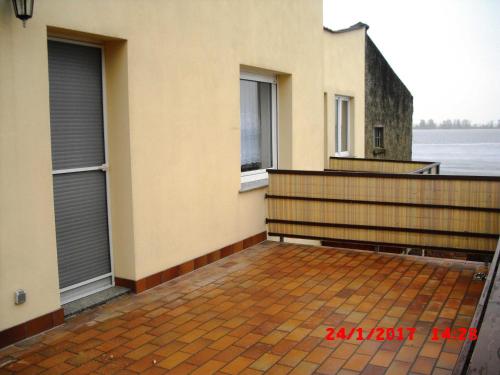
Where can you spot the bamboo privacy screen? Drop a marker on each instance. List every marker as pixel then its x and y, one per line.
pixel 382 166
pixel 409 210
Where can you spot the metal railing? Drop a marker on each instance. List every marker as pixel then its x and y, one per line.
pixel 382 165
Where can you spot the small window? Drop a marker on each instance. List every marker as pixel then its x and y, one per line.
pixel 258 126
pixel 342 126
pixel 379 137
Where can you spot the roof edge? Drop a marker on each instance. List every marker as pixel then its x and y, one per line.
pixel 357 26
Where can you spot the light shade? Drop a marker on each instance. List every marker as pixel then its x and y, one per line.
pixel 23 9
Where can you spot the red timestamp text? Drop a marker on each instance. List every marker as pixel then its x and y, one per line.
pixel 401 333
pixel 379 334
pixel 454 334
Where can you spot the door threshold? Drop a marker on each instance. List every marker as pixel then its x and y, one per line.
pixel 93 300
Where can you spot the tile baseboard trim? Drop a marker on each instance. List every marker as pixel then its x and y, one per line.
pixel 31 327
pixel 50 320
pixel 139 286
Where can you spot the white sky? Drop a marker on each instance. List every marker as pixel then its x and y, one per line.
pixel 447 52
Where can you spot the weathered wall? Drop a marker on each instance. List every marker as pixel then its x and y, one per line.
pixel 389 103
pixel 173 120
pixel 344 74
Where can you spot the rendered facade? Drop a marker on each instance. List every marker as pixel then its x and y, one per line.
pixel 142 131
pixel 366 93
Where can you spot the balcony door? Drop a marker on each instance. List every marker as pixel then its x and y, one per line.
pixel 79 168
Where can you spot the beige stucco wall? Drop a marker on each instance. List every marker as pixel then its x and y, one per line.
pixel 344 74
pixel 27 229
pixel 173 123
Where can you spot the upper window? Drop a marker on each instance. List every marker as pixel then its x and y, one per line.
pixel 258 126
pixel 378 136
pixel 342 126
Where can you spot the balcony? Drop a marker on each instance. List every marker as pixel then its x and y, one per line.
pixel 269 309
pixel 410 212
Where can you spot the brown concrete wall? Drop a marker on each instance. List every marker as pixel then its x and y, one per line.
pixel 389 103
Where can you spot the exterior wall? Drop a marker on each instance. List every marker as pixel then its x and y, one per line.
pixel 388 103
pixel 172 72
pixel 27 227
pixel 344 74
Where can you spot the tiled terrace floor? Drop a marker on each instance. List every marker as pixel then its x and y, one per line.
pixel 266 310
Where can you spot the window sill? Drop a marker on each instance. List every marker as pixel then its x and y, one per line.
pixel 378 150
pixel 254 185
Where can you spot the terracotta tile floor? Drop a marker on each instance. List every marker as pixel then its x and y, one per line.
pixel 266 310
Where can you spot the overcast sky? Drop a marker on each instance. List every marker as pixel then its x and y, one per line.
pixel 447 52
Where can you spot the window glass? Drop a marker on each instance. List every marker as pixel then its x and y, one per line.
pixel 344 131
pixel 379 137
pixel 342 126
pixel 337 126
pixel 256 125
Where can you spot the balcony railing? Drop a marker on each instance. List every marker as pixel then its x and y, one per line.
pixel 382 166
pixel 459 213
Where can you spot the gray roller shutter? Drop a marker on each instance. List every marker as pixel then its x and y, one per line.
pixel 82 226
pixel 76 115
pixel 77 131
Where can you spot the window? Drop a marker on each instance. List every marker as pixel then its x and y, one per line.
pixel 258 126
pixel 342 126
pixel 379 136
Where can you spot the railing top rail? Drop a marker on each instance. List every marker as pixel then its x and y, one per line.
pixel 383 160
pixel 426 168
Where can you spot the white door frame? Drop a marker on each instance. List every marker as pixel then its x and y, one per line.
pixel 105 168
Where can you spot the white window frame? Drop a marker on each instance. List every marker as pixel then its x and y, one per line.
pixel 338 132
pixel 375 128
pixel 261 174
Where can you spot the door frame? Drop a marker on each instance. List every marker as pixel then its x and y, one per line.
pixel 104 168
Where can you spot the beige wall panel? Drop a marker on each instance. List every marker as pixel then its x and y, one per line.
pixel 27 229
pixel 344 74
pixel 120 172
pixel 174 152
